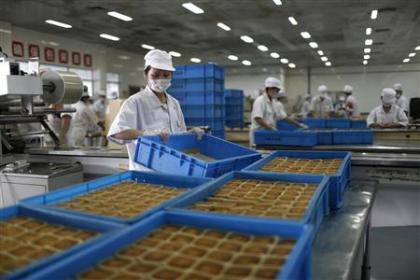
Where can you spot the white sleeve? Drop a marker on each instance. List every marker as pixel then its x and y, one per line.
pixel 312 105
pixel 402 117
pixel 280 113
pixel 125 119
pixel 404 104
pixel 180 117
pixel 371 119
pixel 258 109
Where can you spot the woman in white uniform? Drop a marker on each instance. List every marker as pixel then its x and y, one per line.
pixel 321 105
pixel 84 120
pixel 401 99
pixel 352 106
pixel 151 111
pixel 387 115
pixel 306 106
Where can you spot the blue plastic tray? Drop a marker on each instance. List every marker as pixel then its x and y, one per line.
pixel 363 136
pixel 198 97
pixel 169 158
pixel 338 182
pixel 284 125
pixel 107 228
pixel 315 123
pixel 199 71
pixel 285 138
pixel 359 124
pixel 200 111
pixel 338 123
pixel 50 200
pixel 297 265
pixel 318 207
pixel 197 84
pixel 325 137
pixel 235 93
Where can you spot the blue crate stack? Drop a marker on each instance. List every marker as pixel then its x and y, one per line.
pixel 200 89
pixel 234 108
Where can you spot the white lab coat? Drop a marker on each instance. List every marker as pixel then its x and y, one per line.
pixel 402 102
pixel 355 106
pixel 279 110
pixel 263 108
pixel 395 115
pixel 100 109
pixel 82 122
pixel 144 111
pixel 305 108
pixel 321 108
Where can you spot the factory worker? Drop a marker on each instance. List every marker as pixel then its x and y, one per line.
pixel 340 107
pixel 401 100
pixel 321 105
pixel 151 111
pixel 60 123
pixel 352 106
pixel 100 106
pixel 387 115
pixel 306 106
pixel 280 111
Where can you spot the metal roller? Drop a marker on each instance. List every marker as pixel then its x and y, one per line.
pixel 61 87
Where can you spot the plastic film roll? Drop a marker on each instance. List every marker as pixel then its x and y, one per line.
pixel 61 87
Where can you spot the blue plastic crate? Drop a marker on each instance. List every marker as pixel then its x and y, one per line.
pixel 325 137
pixel 318 207
pixel 169 157
pixel 50 200
pixel 284 125
pixel 235 93
pixel 234 123
pixel 285 138
pixel 218 134
pixel 359 124
pixel 105 228
pixel 315 123
pixel 197 84
pixel 199 98
pixel 297 265
pixel 203 111
pixel 363 136
pixel 199 71
pixel 338 123
pixel 338 182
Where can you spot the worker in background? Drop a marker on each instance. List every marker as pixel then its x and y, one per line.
pixel 387 115
pixel 401 100
pixel 60 123
pixel 280 111
pixel 100 106
pixel 352 106
pixel 306 106
pixel 340 107
pixel 321 105
pixel 151 111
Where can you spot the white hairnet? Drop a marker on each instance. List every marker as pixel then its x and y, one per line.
pixel 322 89
pixel 348 89
pixel 272 82
pixel 398 87
pixel 388 96
pixel 158 59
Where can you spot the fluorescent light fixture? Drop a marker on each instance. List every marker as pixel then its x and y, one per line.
pixel 320 52
pixel 412 54
pixel 365 62
pixel 175 54
pixel 277 2
pixel 247 39
pixel 109 37
pixel 223 26
pixel 193 8
pixel 374 14
pixel 328 64
pixel 324 58
pixel 147 47
pixel 417 48
pixel 368 42
pixel 275 55
pixel 368 31
pixel 58 23
pixel 5 31
pixel 233 57
pixel 119 16
pixel 55 44
pixel 366 56
pixel 293 21
pixel 406 60
pixel 313 45
pixel 124 57
pixel 367 50
pixel 305 35
pixel 292 65
pixel 284 60
pixel 246 62
pixel 195 60
pixel 262 48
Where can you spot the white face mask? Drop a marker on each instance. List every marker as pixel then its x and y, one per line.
pixel 159 85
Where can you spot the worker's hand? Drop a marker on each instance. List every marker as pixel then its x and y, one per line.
pixel 197 131
pixel 304 126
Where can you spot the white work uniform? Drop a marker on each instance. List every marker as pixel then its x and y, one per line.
pixel 306 106
pixel 100 109
pixel 355 106
pixel 279 110
pixel 82 122
pixel 144 111
pixel 321 108
pixel 395 115
pixel 403 103
pixel 263 108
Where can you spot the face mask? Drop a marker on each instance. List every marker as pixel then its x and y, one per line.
pixel 159 85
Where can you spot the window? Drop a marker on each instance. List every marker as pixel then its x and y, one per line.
pixel 112 85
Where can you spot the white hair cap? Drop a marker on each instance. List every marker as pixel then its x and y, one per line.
pixel 348 89
pixel 388 96
pixel 272 82
pixel 322 89
pixel 398 87
pixel 158 59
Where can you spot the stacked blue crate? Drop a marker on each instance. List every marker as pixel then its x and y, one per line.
pixel 199 89
pixel 234 107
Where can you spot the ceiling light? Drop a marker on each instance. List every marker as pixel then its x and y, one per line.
pixel 277 2
pixel 324 58
pixel 368 42
pixel 5 31
pixel 305 35
pixel 275 55
pixel 233 57
pixel 412 54
pixel 247 39
pixel 55 44
pixel 368 31
pixel 119 16
pixel 406 60
pixel 123 57
pixel 367 50
pixel 365 62
pixel 193 8
pixel 262 48
pixel 246 62
pixel 366 56
pixel 313 45
pixel 148 47
pixel 417 48
pixel 195 60
pixel 292 65
pixel 57 23
pixel 174 54
pixel 293 20
pixel 320 52
pixel 328 63
pixel 223 26
pixel 374 14
pixel 284 60
pixel 109 37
